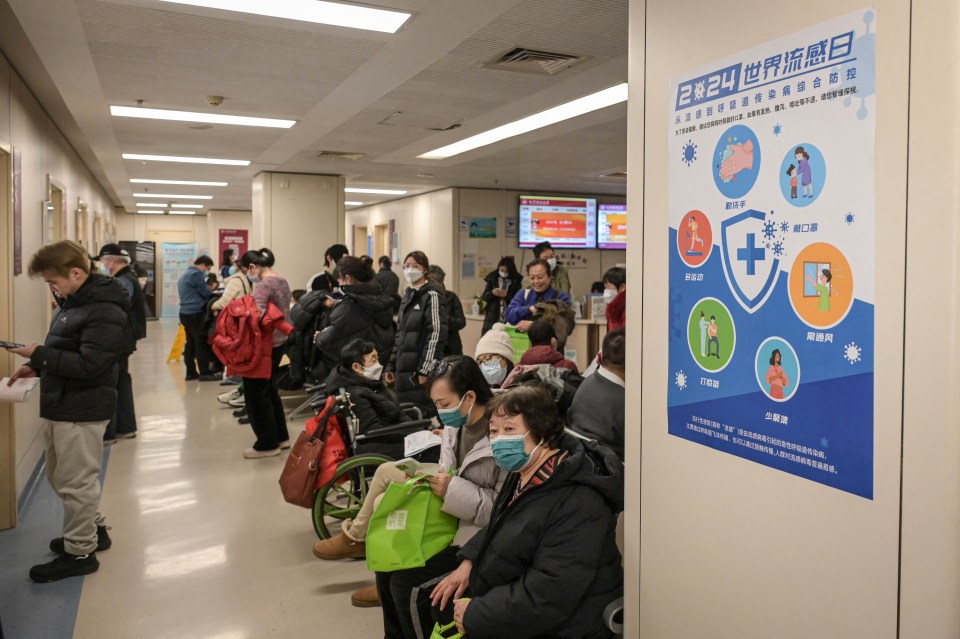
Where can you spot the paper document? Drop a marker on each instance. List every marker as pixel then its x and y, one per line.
pixel 412 467
pixel 419 441
pixel 19 391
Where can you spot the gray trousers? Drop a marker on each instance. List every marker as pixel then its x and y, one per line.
pixel 73 457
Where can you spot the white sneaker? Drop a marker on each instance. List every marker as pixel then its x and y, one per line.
pixel 238 402
pixel 251 453
pixel 285 444
pixel 226 397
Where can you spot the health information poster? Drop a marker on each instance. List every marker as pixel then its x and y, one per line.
pixel 772 254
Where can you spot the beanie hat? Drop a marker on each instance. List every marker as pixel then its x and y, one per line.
pixel 497 342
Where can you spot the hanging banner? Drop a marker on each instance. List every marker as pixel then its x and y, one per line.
pixel 235 239
pixel 175 260
pixel 772 254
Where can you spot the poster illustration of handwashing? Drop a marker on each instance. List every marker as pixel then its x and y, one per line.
pixel 772 254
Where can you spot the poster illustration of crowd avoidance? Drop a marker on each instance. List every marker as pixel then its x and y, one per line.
pixel 772 254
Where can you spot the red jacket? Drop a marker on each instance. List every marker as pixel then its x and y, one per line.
pixel 244 341
pixel 617 312
pixel 547 355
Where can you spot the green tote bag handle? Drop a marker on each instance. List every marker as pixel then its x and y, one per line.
pixel 439 632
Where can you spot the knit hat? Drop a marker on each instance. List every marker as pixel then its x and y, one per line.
pixel 495 341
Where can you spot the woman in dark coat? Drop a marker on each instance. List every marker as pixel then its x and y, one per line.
pixel 547 564
pixel 421 333
pixel 502 286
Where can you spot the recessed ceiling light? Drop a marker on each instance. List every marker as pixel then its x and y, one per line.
pixel 192 116
pixel 317 11
pixel 580 106
pixel 349 203
pixel 186 160
pixel 168 196
pixel 374 191
pixel 153 205
pixel 178 182
pixel 183 212
pixel 146 212
pixel 187 206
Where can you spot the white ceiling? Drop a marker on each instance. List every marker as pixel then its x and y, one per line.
pixel 81 56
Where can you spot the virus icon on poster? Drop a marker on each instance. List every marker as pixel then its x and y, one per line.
pixel 849 219
pixel 778 129
pixel 681 380
pixel 852 352
pixel 689 153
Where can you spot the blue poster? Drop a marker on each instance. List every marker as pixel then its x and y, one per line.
pixel 772 254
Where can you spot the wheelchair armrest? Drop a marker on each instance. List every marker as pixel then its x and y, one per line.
pixel 413 409
pixel 314 388
pixel 403 427
pixel 613 616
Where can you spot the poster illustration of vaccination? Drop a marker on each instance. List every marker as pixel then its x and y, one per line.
pixel 772 252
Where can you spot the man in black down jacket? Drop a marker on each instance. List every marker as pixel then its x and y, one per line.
pixel 77 365
pixel 117 261
pixel 363 313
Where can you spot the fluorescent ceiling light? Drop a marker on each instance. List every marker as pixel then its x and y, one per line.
pixel 375 191
pixel 169 196
pixel 349 203
pixel 580 106
pixel 143 212
pixel 191 116
pixel 178 182
pixel 153 205
pixel 186 160
pixel 317 11
pixel 187 206
pixel 183 212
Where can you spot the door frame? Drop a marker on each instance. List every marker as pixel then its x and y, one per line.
pixel 8 441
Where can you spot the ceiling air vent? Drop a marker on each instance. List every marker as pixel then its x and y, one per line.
pixel 531 61
pixel 338 155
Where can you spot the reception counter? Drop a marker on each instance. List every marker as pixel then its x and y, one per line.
pixel 585 339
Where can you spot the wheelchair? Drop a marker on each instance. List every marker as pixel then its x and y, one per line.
pixel 342 497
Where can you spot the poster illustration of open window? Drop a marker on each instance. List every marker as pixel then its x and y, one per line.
pixel 772 254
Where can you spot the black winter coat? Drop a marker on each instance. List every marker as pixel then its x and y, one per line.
pixel 137 313
pixel 375 405
pixel 456 322
pixel 548 565
pixel 363 313
pixel 421 338
pixel 493 311
pixel 78 361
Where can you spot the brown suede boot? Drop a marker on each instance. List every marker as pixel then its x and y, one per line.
pixel 340 547
pixel 366 597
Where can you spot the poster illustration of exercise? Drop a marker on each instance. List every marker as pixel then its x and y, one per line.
pixel 772 254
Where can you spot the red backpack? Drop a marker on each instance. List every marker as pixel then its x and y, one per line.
pixel 236 340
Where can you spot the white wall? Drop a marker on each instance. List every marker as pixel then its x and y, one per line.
pixel 202 229
pixel 45 155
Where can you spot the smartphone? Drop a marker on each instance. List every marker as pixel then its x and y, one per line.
pixel 10 345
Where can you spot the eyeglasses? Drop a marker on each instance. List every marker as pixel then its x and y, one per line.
pixel 437 367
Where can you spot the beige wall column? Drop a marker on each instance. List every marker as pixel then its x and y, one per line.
pixel 297 216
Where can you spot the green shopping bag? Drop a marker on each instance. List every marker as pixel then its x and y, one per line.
pixel 440 632
pixel 408 527
pixel 519 341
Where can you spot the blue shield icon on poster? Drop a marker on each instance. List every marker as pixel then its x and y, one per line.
pixel 751 268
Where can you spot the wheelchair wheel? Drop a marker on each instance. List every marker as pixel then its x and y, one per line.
pixel 343 497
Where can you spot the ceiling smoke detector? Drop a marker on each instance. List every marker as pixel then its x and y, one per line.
pixel 214 100
pixel 525 60
pixel 339 155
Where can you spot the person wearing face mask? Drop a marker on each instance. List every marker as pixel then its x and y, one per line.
pixel 325 279
pixel 421 332
pixel 494 354
pixel 615 295
pixel 521 310
pixel 561 279
pixel 227 265
pixel 461 395
pixel 547 565
pixel 237 284
pixel 500 287
pixel 362 312
pixel 194 293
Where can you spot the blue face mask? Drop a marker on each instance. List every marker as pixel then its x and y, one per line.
pixel 451 416
pixel 232 269
pixel 493 372
pixel 509 452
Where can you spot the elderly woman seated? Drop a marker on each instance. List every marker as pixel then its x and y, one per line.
pixel 547 564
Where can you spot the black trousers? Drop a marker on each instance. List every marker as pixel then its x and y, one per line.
pixel 125 419
pixel 400 596
pixel 196 352
pixel 267 417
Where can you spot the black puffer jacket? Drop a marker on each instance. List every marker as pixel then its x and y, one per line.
pixel 375 405
pixel 78 361
pixel 496 305
pixel 456 322
pixel 363 313
pixel 137 312
pixel 421 338
pixel 548 565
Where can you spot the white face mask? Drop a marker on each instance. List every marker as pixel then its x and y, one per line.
pixel 609 294
pixel 373 371
pixel 552 262
pixel 413 275
pixel 504 274
pixel 493 372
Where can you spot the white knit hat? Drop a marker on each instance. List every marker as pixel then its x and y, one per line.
pixel 495 341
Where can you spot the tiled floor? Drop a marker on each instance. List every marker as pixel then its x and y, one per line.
pixel 204 545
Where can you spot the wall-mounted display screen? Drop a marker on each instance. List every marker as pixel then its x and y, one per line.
pixel 612 226
pixel 565 222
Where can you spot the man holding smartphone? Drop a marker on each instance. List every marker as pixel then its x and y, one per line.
pixel 78 368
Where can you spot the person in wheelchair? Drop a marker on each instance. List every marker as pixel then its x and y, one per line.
pixel 374 405
pixel 461 394
pixel 547 565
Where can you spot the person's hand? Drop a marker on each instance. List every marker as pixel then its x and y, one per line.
pixel 328 303
pixel 523 326
pixel 453 585
pixel 438 432
pixel 532 309
pixel 390 377
pixel 26 351
pixel 422 379
pixel 499 292
pixel 459 610
pixel 741 159
pixel 21 373
pixel 439 484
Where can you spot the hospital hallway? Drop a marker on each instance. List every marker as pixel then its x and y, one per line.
pixel 203 544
